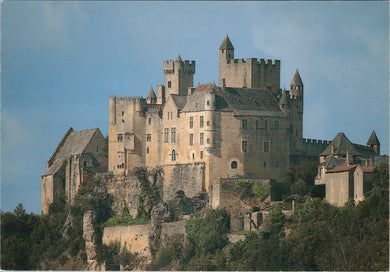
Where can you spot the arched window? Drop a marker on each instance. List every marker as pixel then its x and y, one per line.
pixel 173 155
pixel 234 165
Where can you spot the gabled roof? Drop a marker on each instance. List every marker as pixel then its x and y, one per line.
pixel 341 146
pixel 296 79
pixel 180 100
pixel 74 143
pixel 226 44
pixel 151 94
pixel 342 168
pixel 373 140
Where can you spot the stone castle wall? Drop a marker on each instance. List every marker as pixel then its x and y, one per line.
pixel 136 237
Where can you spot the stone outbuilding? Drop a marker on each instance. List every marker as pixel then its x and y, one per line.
pixel 78 156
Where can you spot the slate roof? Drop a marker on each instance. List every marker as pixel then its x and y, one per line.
pixel 226 44
pixel 331 162
pixel 373 140
pixel 75 143
pixel 180 100
pixel 245 101
pixel 296 79
pixel 151 94
pixel 341 146
pixel 54 167
pixel 342 168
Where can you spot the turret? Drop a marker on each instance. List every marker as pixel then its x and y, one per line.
pixel 226 50
pixel 284 101
pixel 296 86
pixel 373 143
pixel 151 98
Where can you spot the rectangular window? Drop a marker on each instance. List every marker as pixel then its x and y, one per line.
pixel 173 135
pixel 276 125
pixel 201 155
pixel 201 122
pixel 191 139
pixel 244 146
pixel 148 137
pixel 341 183
pixel 150 121
pixel 169 84
pixel 244 124
pixel 266 146
pixel 291 129
pixel 257 124
pixel 166 135
pixel 191 122
pixel 120 137
pixel 265 125
pixel 201 139
pixel 208 123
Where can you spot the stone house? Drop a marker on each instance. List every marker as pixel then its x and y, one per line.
pixel 246 126
pixel 345 168
pixel 78 156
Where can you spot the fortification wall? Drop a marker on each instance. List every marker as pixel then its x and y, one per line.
pixel 135 238
pixel 185 177
pixel 310 147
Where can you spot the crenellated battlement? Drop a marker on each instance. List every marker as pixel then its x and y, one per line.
pixel 186 66
pixel 255 61
pixel 127 99
pixel 315 141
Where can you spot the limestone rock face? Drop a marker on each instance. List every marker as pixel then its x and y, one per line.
pixel 124 190
pixel 89 235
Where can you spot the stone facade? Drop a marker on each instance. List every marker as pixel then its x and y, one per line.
pixel 345 168
pixel 246 126
pixel 79 155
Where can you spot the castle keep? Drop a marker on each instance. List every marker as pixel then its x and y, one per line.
pixel 246 126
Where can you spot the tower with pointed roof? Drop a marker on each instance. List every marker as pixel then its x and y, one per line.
pixel 373 143
pixel 151 98
pixel 179 76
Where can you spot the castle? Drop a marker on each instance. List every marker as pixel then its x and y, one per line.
pixel 246 126
pixel 200 135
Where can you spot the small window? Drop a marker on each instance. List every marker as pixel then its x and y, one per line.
pixel 208 123
pixel 193 156
pixel 173 155
pixel 244 146
pixel 191 139
pixel 276 125
pixel 166 135
pixel 150 121
pixel 201 139
pixel 123 113
pixel 120 137
pixel 148 137
pixel 244 124
pixel 169 84
pixel 85 163
pixel 191 122
pixel 147 150
pixel 257 124
pixel 265 125
pixel 173 135
pixel 208 102
pixel 233 165
pixel 223 50
pixel 208 140
pixel 266 146
pixel 291 129
pixel 201 121
pixel 201 155
pixel 265 164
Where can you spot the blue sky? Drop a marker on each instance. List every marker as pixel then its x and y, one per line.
pixel 60 62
